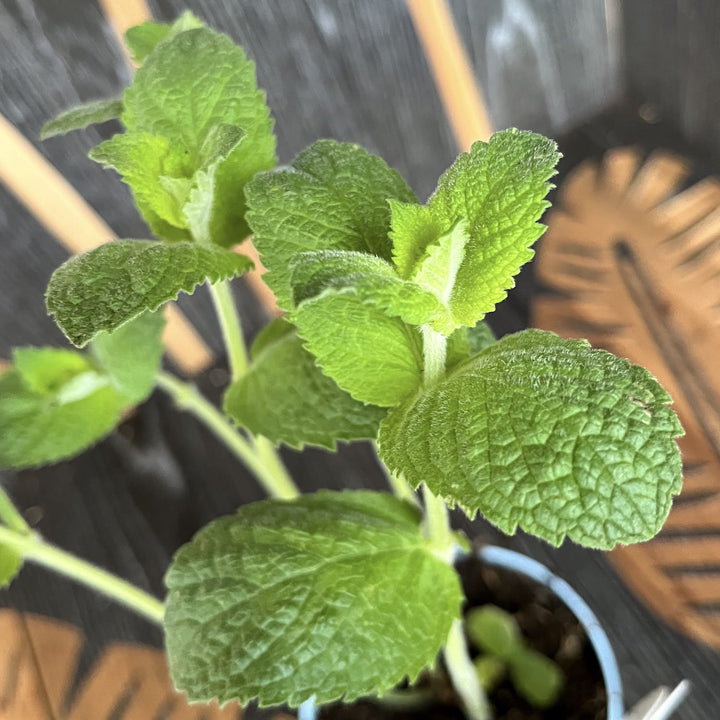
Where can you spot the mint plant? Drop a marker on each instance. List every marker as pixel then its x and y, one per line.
pixel 335 594
pixel 497 635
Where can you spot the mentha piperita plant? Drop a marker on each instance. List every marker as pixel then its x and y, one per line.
pixel 383 337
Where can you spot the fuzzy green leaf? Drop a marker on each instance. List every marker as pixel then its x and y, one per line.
pixel 546 434
pixel 334 197
pixel 81 116
pixel 158 172
pixel 187 87
pixel 131 355
pixel 372 278
pixel 499 189
pixel 144 38
pixel 374 357
pixel 413 229
pixel 106 287
pixel 480 337
pixel 332 594
pixel 53 405
pixel 286 398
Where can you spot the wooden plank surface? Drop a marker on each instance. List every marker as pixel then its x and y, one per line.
pixel 354 71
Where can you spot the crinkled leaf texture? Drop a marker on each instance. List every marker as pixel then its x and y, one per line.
pixel 334 197
pixel 53 404
pixel 190 84
pixel 131 355
pixel 286 397
pixel 546 434
pixel 81 116
pixel 104 288
pixel 479 224
pixel 374 357
pixel 331 595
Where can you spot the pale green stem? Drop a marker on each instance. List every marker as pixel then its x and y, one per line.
pixel 399 486
pixel 32 548
pixel 281 484
pixel 273 477
pixel 10 515
pixel 231 328
pixel 463 674
pixel 437 528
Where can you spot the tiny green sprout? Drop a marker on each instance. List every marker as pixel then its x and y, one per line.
pixel 384 338
pixel 496 633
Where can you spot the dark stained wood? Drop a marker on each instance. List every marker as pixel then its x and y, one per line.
pixel 341 69
pixel 543 65
pixel 671 59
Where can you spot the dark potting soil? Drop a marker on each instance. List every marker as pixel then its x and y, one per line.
pixel 548 627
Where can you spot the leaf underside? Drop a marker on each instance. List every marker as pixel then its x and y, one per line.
pixel 330 595
pixel 104 288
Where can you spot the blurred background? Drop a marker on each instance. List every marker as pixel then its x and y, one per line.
pixel 631 91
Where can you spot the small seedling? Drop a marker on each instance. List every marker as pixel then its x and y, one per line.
pixel 497 635
pixel 336 594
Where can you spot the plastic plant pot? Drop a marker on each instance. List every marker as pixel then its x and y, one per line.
pixel 532 569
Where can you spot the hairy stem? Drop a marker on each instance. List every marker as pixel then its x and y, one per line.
pixel 463 675
pixel 437 528
pixel 231 328
pixel 272 475
pixel 10 515
pixel 32 548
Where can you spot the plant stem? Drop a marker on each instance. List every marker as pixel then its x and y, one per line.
pixel 231 328
pixel 434 355
pixel 272 476
pixel 31 547
pixel 10 515
pixel 437 528
pixel 463 675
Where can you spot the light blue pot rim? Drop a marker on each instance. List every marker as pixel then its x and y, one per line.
pixel 523 565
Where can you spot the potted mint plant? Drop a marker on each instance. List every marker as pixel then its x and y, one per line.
pixel 336 594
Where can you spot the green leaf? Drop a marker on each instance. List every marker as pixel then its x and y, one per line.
pixel 546 434
pixel 46 370
pixel 191 84
pixel 81 116
pixel 10 564
pixel 131 355
pixel 490 671
pixel 334 197
pixel 155 169
pixel 286 398
pixel 106 287
pixel 537 678
pixel 499 189
pixel 53 407
pixel 144 38
pixel 374 357
pixel 332 595
pixel 494 630
pixel 480 337
pixel 372 278
pixel 413 229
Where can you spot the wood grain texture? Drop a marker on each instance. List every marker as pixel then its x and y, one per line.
pixel 671 53
pixel 354 71
pixel 544 65
pixel 38 660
